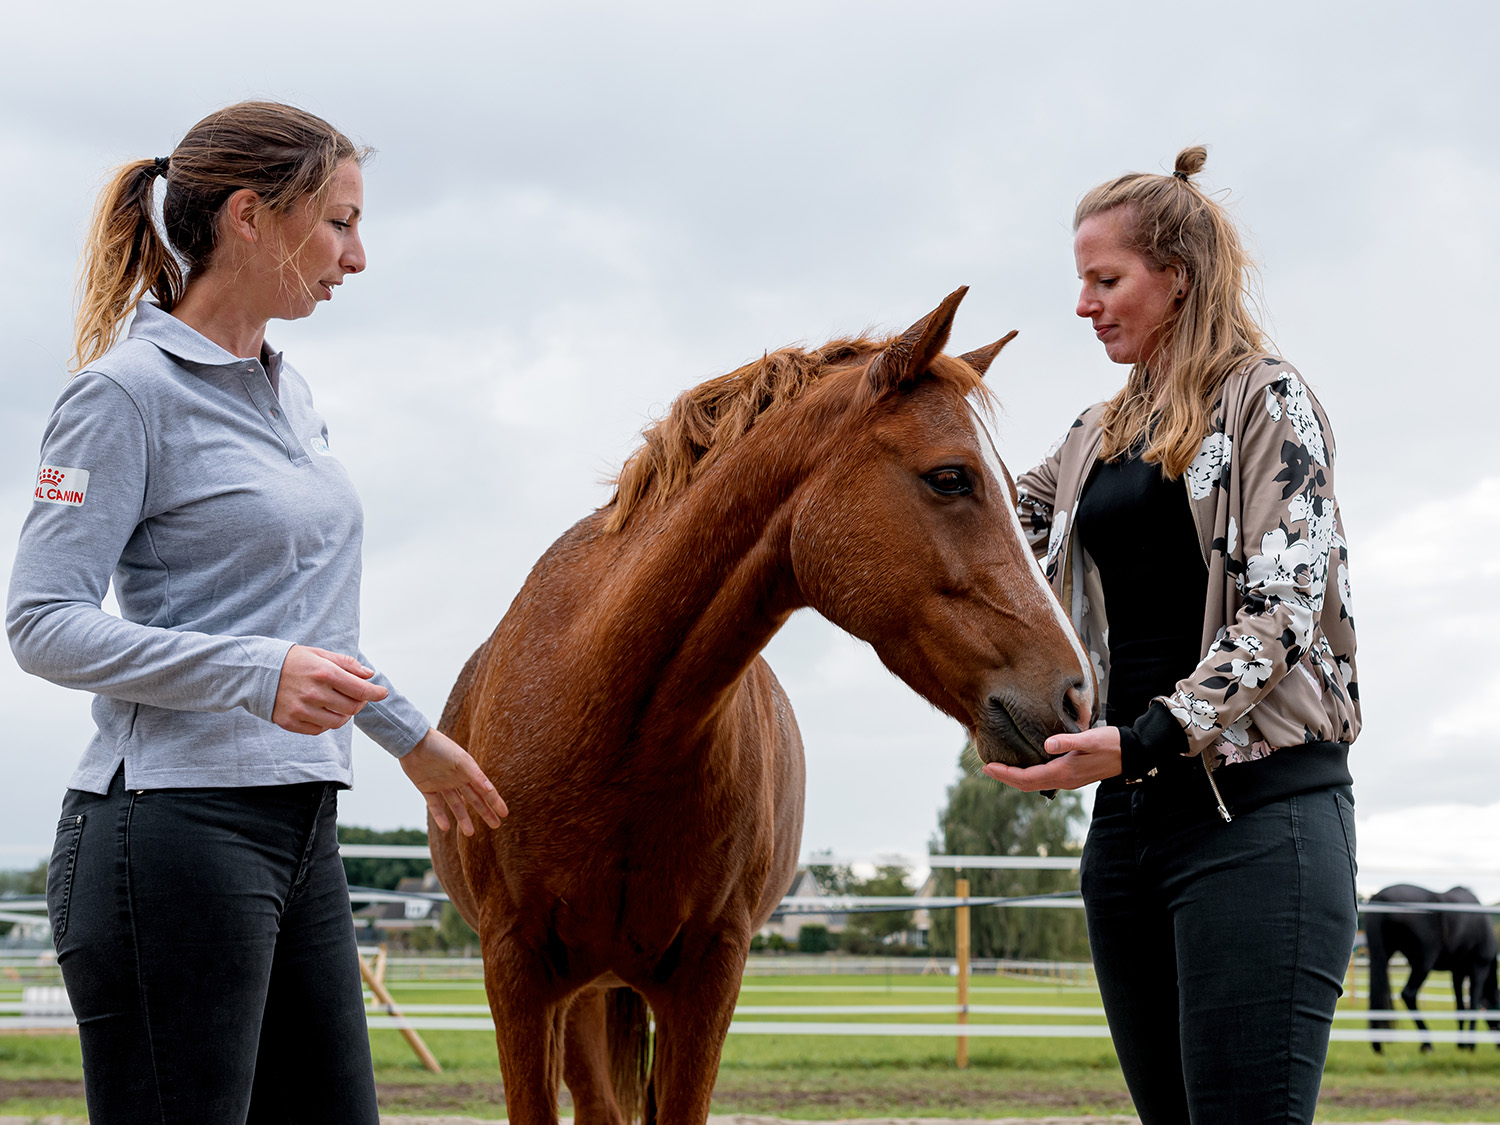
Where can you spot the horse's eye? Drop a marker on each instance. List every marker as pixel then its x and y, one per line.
pixel 949 482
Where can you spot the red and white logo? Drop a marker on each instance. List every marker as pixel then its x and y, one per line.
pixel 61 486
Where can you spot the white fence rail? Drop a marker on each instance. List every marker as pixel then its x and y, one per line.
pixel 46 1008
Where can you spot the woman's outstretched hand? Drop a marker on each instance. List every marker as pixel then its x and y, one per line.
pixel 451 781
pixel 321 690
pixel 1082 758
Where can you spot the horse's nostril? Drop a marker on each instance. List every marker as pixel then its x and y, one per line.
pixel 1072 702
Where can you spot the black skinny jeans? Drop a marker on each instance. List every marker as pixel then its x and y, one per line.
pixel 1220 948
pixel 206 941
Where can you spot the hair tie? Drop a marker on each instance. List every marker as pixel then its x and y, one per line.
pixel 161 163
pixel 1181 175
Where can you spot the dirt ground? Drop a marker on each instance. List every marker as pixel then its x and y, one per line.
pixel 443 1104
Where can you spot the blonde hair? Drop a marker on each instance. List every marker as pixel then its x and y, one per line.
pixel 1171 222
pixel 282 153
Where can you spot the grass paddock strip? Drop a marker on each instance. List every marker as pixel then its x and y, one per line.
pixel 792 1068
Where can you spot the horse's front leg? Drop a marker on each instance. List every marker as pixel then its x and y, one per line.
pixel 1414 981
pixel 529 1014
pixel 693 1008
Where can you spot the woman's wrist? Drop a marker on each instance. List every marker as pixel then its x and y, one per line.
pixel 1152 741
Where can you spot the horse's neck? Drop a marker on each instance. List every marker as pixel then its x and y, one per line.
pixel 710 582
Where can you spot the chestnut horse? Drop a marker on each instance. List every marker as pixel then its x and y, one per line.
pixel 650 759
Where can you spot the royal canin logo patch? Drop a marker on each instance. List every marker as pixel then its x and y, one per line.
pixel 56 485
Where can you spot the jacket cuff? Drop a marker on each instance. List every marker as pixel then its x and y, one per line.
pixel 1153 741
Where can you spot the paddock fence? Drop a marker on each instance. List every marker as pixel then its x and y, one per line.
pixel 32 998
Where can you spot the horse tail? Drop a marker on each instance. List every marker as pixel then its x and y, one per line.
pixel 627 1024
pixel 1380 980
pixel 557 1043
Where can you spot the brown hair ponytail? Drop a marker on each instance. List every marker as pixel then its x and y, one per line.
pixel 1173 223
pixel 124 257
pixel 282 153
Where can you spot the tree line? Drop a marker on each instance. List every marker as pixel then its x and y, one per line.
pixel 981 817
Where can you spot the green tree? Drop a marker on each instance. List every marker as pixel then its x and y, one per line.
pixel 454 932
pixel 984 817
pixel 834 878
pixel 32 881
pixel 382 874
pixel 872 932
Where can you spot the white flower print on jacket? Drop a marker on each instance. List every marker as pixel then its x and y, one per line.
pixel 1211 466
pixel 1295 401
pixel 1284 570
pixel 1191 711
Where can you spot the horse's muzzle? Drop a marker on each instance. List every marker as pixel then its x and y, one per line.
pixel 1005 737
pixel 1013 733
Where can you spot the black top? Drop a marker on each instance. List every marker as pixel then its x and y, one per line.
pixel 1139 530
pixel 1138 527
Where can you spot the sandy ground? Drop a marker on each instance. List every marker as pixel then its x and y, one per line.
pixel 746 1119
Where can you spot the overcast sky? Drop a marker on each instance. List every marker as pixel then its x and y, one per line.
pixel 578 210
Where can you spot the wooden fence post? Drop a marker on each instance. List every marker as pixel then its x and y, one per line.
pixel 407 1033
pixel 961 919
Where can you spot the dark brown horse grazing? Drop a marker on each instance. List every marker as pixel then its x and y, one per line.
pixel 649 757
pixel 1432 941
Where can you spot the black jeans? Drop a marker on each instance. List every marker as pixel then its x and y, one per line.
pixel 206 941
pixel 1220 949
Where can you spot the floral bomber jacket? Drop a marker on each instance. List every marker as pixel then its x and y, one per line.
pixel 1278 629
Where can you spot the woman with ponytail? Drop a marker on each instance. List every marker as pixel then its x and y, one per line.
pixel 196 895
pixel 1189 524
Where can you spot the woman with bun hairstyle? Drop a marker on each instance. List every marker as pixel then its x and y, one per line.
pixel 1189 526
pixel 197 900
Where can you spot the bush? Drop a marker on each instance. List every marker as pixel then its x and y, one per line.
pixel 382 874
pixel 859 943
pixel 814 939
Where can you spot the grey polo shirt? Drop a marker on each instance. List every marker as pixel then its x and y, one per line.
pixel 203 485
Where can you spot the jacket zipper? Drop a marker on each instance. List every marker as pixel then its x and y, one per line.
pixel 1207 769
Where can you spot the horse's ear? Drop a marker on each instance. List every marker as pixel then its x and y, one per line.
pixel 981 358
pixel 907 360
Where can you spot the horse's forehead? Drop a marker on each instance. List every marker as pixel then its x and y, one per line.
pixel 937 403
pixel 988 449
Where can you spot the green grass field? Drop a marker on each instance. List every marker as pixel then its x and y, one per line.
pixel 820 1077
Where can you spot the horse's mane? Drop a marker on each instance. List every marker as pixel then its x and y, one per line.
pixel 709 419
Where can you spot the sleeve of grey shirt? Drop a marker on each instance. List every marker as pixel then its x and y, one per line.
pixel 67 555
pixel 393 723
